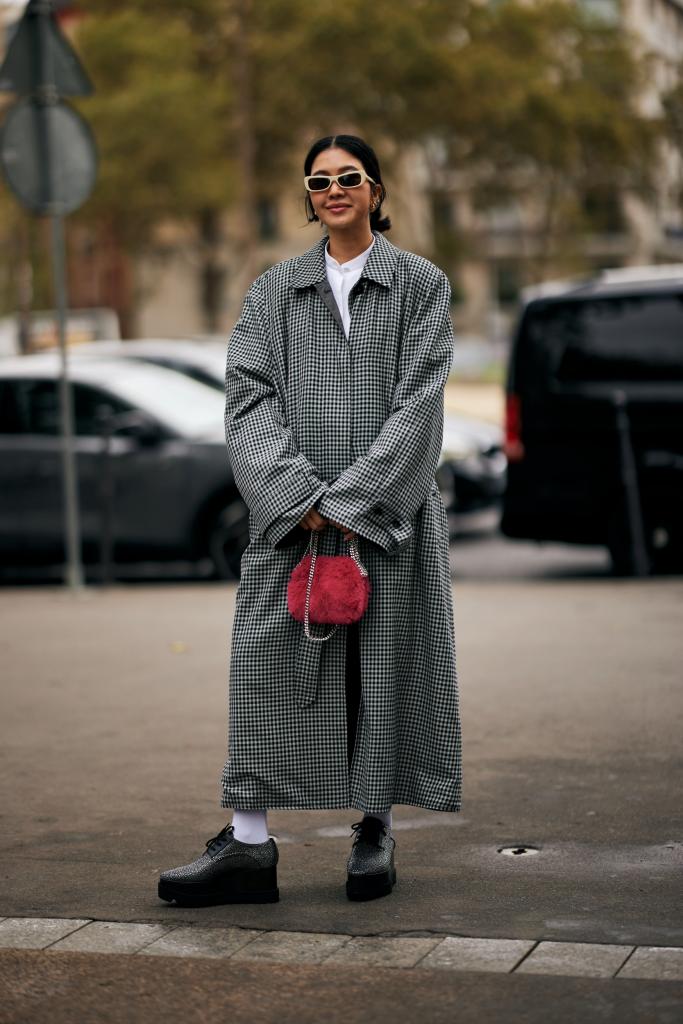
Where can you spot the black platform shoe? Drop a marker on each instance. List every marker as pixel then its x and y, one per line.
pixel 228 872
pixel 371 871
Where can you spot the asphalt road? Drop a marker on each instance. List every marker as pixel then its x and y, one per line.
pixel 112 737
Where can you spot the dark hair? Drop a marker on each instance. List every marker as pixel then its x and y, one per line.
pixel 368 158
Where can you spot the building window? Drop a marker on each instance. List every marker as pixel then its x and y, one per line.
pixel 507 282
pixel 602 207
pixel 267 220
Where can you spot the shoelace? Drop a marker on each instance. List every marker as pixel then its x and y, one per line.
pixel 220 841
pixel 370 830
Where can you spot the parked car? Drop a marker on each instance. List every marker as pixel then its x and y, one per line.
pixel 202 360
pixel 472 469
pixel 174 492
pixel 594 416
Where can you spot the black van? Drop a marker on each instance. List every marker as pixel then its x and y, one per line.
pixel 594 417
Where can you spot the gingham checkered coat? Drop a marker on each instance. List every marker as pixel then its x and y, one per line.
pixel 355 427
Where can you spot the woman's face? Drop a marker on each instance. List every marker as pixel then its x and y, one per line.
pixel 339 208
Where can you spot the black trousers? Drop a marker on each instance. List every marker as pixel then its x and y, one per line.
pixel 353 685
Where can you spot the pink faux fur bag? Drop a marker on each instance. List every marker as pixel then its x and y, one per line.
pixel 338 588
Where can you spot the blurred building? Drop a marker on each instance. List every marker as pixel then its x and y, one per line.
pixel 629 231
pixel 488 254
pixel 657 229
pixel 429 203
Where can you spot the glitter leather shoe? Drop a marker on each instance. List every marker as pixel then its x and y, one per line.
pixel 371 871
pixel 228 872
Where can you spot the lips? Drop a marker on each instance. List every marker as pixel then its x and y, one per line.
pixel 337 208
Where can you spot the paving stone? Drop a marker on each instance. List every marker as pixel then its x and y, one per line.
pixel 111 937
pixel 664 963
pixel 577 959
pixel 298 947
pixel 194 941
pixel 458 953
pixel 36 932
pixel 389 952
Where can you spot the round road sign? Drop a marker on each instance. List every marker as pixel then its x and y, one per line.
pixel 31 133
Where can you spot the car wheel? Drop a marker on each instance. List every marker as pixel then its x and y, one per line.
pixel 228 537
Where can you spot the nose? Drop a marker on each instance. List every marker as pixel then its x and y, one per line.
pixel 335 189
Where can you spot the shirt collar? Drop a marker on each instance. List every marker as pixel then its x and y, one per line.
pixel 379 266
pixel 357 263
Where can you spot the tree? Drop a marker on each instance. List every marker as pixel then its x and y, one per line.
pixel 157 127
pixel 203 106
pixel 673 122
pixel 549 111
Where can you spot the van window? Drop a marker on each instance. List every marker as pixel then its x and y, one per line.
pixel 623 338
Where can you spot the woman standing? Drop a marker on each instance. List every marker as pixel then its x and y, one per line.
pixel 334 419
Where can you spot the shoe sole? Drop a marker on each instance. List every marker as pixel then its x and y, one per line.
pixel 370 887
pixel 245 887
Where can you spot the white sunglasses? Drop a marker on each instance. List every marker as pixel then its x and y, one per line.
pixel 349 179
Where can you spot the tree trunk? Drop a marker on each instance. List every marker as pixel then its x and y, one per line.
pixel 213 271
pixel 246 147
pixel 117 281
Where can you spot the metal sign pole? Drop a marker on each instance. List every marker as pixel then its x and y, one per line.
pixel 48 95
pixel 73 567
pixel 49 158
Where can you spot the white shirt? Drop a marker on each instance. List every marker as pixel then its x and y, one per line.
pixel 342 277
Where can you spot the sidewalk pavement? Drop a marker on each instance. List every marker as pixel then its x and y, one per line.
pixel 113 736
pixel 72 988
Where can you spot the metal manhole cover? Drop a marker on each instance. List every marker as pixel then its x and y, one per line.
pixel 518 851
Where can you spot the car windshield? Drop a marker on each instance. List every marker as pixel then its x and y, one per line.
pixel 186 406
pixel 629 338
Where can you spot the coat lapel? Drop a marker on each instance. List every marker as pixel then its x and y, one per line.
pixel 380 265
pixel 325 292
pixel 310 271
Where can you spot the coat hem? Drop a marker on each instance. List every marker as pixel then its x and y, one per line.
pixel 254 803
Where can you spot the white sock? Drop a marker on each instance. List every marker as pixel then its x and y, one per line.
pixel 250 826
pixel 385 818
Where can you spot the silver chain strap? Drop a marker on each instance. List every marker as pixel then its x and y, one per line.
pixel 313 544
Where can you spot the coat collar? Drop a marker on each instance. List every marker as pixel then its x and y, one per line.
pixel 379 266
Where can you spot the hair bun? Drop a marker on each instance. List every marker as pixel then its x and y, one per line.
pixel 379 223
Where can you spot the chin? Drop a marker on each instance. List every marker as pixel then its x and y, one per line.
pixel 345 220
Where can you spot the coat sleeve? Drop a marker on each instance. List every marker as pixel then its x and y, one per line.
pixel 276 481
pixel 380 493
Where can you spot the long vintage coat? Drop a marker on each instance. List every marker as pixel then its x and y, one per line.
pixel 354 426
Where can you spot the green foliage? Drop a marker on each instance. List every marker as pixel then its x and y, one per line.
pixel 530 99
pixel 514 91
pixel 673 124
pixel 156 123
pixel 549 89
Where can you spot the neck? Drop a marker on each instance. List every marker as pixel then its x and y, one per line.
pixel 345 245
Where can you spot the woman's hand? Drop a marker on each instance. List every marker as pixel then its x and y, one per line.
pixel 314 521
pixel 348 534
